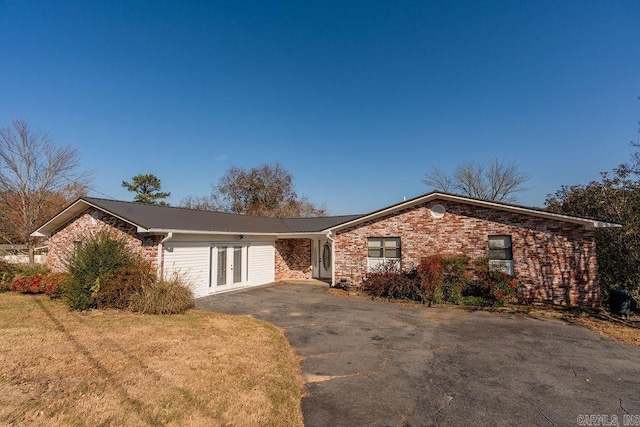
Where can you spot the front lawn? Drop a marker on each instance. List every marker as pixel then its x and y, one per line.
pixel 59 367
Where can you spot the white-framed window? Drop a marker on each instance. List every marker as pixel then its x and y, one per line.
pixel 383 250
pixel 501 253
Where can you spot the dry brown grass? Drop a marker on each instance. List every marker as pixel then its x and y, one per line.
pixel 59 367
pixel 599 322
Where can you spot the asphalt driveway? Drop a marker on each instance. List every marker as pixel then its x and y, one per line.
pixel 375 363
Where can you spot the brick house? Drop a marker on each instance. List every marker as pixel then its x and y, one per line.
pixel 553 255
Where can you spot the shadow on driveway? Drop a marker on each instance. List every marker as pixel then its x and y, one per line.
pixel 375 363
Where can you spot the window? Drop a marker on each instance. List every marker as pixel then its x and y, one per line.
pixel 381 250
pixel 500 248
pixel 500 254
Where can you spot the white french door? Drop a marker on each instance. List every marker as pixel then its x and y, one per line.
pixel 228 266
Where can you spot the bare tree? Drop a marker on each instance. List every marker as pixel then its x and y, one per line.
pixel 37 178
pixel 635 157
pixel 498 181
pixel 265 190
pixel 202 203
pixel 439 180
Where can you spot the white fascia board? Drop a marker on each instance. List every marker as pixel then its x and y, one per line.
pixel 39 233
pixel 74 210
pixel 603 224
pixel 199 232
pixel 230 233
pixel 588 223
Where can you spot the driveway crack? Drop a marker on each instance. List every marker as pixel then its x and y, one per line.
pixel 622 407
pixel 448 400
pixel 544 416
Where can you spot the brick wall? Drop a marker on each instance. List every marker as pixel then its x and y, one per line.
pixel 293 259
pixel 556 261
pixel 61 243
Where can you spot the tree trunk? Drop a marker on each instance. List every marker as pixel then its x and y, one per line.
pixel 32 252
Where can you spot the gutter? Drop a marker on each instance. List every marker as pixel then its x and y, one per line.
pixel 160 261
pixel 171 232
pixel 203 232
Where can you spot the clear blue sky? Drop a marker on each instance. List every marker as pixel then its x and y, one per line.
pixel 357 99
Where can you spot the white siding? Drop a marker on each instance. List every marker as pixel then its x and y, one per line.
pixel 261 264
pixel 191 260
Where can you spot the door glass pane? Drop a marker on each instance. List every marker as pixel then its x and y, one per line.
pixel 326 257
pixel 222 267
pixel 237 264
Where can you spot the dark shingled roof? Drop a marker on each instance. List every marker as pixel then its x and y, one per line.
pixel 167 218
pixel 172 218
pixel 301 225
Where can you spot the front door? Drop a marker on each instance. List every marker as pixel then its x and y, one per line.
pixel 324 259
pixel 228 267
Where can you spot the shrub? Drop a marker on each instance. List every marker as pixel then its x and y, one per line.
pixel 431 275
pixel 389 282
pixel 9 271
pixel 492 284
pixel 5 281
pixel 171 296
pixel 118 287
pixel 28 284
pixel 77 296
pixel 442 277
pixel 448 293
pixel 29 270
pixel 100 254
pixel 52 283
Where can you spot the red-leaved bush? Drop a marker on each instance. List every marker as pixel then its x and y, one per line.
pixel 51 283
pixel 28 284
pixel 431 273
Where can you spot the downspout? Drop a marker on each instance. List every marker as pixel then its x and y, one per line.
pixel 160 262
pixel 333 259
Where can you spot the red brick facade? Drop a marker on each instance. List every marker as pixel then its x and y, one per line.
pixel 293 259
pixel 61 243
pixel 555 261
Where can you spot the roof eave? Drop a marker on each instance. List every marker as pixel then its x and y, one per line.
pixel 277 235
pixel 588 223
pixel 44 231
pixel 69 212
